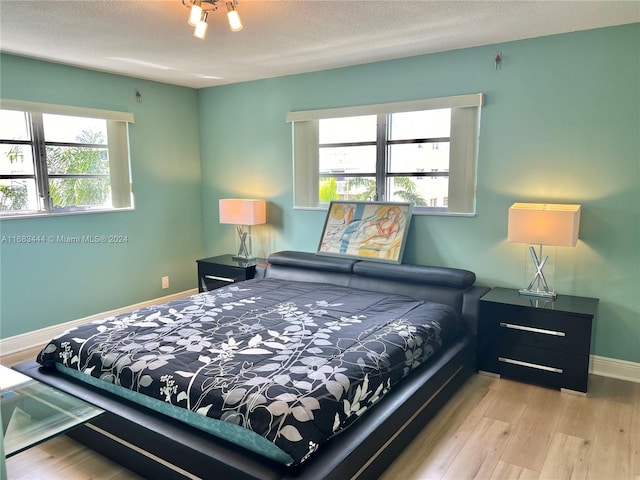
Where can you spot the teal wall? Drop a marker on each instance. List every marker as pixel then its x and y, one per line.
pixel 560 124
pixel 46 284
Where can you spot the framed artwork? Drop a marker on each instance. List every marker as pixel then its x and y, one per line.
pixel 366 230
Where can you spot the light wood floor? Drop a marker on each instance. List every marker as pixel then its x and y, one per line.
pixel 491 429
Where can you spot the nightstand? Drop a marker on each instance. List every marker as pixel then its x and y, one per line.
pixel 536 340
pixel 216 272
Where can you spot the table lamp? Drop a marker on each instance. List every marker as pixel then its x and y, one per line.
pixel 543 224
pixel 243 213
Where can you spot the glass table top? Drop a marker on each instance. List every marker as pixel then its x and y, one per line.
pixel 33 412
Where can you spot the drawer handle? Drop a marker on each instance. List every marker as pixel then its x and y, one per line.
pixel 224 279
pixel 532 329
pixel 530 365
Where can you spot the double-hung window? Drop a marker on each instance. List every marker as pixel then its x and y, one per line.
pixel 56 159
pixel 419 151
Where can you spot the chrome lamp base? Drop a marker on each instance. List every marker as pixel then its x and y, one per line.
pixel 244 251
pixel 538 293
pixel 542 289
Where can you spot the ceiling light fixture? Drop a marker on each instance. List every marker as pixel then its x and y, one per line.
pixel 200 11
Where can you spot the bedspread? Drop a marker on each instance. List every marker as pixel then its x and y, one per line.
pixel 295 362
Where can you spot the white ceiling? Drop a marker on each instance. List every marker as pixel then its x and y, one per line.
pixel 151 39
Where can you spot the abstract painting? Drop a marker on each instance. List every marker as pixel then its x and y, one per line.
pixel 366 230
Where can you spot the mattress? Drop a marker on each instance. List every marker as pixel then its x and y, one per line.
pixel 290 363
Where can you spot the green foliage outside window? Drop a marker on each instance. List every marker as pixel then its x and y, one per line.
pixel 403 188
pixel 70 191
pixel 14 196
pixel 406 190
pixel 328 189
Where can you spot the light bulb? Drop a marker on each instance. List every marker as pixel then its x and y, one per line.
pixel 201 27
pixel 196 13
pixel 234 19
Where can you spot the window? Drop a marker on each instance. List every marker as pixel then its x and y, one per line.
pixel 420 151
pixel 56 159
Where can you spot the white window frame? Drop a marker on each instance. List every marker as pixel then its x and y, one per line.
pixel 465 129
pixel 118 148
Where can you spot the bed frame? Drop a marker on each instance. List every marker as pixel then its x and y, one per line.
pixel 158 447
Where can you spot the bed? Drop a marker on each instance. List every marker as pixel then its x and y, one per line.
pixel 320 367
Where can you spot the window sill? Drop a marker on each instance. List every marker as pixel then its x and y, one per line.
pixel 19 216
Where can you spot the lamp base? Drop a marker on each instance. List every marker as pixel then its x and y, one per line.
pixel 538 286
pixel 244 261
pixel 538 293
pixel 244 251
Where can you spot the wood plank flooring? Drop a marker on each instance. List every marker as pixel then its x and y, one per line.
pixel 493 429
pixel 499 429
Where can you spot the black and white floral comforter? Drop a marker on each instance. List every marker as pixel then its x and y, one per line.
pixel 295 362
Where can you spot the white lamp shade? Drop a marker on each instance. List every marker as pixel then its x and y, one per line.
pixel 544 224
pixel 242 211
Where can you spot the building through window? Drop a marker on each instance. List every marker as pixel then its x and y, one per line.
pixel 421 151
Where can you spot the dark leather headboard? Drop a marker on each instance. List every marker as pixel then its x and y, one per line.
pixel 447 277
pixel 451 286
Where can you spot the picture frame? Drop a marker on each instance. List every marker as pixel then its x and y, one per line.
pixel 375 231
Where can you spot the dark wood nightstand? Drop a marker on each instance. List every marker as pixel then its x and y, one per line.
pixel 536 340
pixel 216 272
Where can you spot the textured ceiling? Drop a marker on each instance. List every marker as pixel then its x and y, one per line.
pixel 151 39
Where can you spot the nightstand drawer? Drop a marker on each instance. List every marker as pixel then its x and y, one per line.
pixel 211 282
pixel 226 272
pixel 543 329
pixel 553 368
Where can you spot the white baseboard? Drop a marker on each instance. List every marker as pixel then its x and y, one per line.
pixel 614 368
pixel 39 337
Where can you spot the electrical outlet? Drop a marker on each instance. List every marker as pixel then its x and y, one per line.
pixel 165 282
